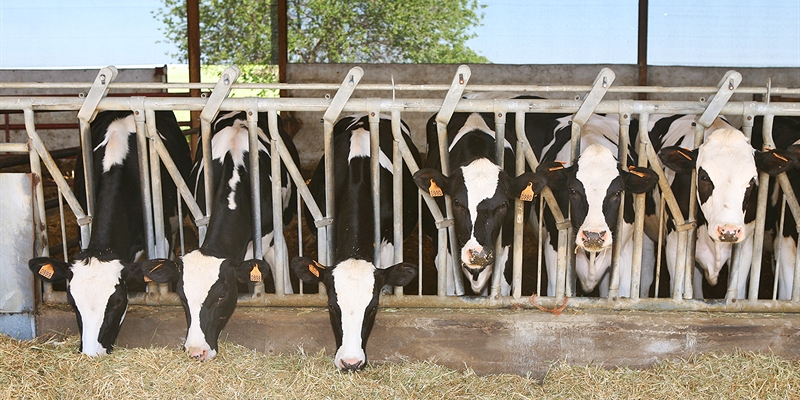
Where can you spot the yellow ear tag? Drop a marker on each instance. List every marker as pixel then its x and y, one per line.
pixel 527 193
pixel 434 190
pixel 633 171
pixel 313 270
pixel 255 274
pixel 46 271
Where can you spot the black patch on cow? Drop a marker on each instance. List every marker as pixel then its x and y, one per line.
pixel 705 187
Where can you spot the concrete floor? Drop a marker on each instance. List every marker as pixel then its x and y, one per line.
pixel 488 341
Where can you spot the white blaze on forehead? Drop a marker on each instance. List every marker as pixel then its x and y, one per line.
pixel 354 283
pixel 481 178
pixel 91 286
pixel 116 141
pixel 200 272
pixel 596 169
pixel 475 122
pixel 360 147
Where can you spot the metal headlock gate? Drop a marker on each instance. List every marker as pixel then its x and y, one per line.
pixel 587 100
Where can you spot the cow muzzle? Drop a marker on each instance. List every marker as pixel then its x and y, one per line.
pixel 200 354
pixel 351 365
pixel 593 240
pixel 481 258
pixel 729 233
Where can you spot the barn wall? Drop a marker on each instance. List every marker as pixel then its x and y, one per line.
pixel 309 138
pixel 56 139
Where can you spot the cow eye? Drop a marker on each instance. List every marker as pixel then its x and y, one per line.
pixel 501 209
pixel 221 297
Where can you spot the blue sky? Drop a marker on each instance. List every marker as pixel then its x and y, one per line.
pixel 730 33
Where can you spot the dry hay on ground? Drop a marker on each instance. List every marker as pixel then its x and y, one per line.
pixel 38 369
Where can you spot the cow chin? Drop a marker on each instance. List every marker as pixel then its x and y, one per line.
pixel 478 275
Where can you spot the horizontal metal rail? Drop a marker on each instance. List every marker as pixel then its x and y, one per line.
pixel 396 107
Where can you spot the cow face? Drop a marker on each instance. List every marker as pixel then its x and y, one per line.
pixel 594 187
pixel 723 192
pixel 481 194
pixel 208 291
pixel 98 293
pixel 353 287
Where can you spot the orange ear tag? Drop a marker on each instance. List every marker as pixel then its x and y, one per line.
pixel 314 270
pixel 46 271
pixel 780 157
pixel 527 193
pixel 551 169
pixel 685 155
pixel 147 280
pixel 635 172
pixel 434 190
pixel 255 274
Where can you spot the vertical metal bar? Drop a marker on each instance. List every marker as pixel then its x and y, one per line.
pixel 88 171
pixel 208 175
pixel 282 283
pixel 761 210
pixel 500 107
pixel 324 244
pixel 158 201
pixel 638 224
pixel 375 167
pixel 255 187
pixel 642 46
pixel 397 194
pixel 622 156
pixel 144 175
pixel 41 241
pixel 778 250
pixel 180 221
pixel 519 212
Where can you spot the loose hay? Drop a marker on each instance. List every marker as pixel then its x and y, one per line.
pixel 49 370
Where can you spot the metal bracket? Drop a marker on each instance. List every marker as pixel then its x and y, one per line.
pixel 96 93
pixel 727 86
pixel 202 221
pixel 323 222
pixel 566 224
pixel 343 94
pixel 599 88
pixel 445 223
pixel 463 73
pixel 220 93
pixel 685 227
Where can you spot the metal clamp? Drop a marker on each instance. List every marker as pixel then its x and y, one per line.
pixel 599 88
pixel 727 86
pixel 220 93
pixel 96 93
pixel 343 94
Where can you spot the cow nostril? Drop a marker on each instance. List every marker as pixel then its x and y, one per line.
pixel 351 367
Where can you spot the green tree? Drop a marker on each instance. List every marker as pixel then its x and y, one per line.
pixel 335 31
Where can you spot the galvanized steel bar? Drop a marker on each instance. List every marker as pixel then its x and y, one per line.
pixel 375 172
pixel 161 247
pixel 599 88
pixel 519 213
pixel 761 211
pixel 281 256
pixel 397 196
pixel 37 145
pixel 254 146
pixel 144 174
pixel 499 140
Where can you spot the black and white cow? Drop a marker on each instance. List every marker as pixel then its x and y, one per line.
pixel 591 189
pixel 99 274
pixel 786 136
pixel 354 281
pixel 208 280
pixel 482 194
pixel 727 206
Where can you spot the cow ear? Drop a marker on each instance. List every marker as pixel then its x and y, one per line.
pixel 432 182
pixel 254 270
pixel 677 158
pixel 775 161
pixel 399 274
pixel 159 270
pixel 640 179
pixel 50 270
pixel 308 270
pixel 554 173
pixel 527 186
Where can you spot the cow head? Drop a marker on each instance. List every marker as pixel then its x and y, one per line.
pixel 353 287
pixel 208 291
pixel 98 292
pixel 594 187
pixel 481 194
pixel 727 171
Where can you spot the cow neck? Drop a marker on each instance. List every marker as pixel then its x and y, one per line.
pixel 354 214
pixel 117 222
pixel 230 230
